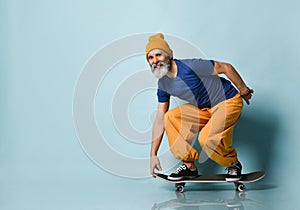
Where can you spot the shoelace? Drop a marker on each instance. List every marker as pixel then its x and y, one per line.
pixel 180 168
pixel 232 170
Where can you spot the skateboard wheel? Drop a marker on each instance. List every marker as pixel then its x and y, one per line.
pixel 240 187
pixel 180 188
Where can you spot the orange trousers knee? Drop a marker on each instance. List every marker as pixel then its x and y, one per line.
pixel 216 127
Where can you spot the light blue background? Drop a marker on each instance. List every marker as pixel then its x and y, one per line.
pixel 44 46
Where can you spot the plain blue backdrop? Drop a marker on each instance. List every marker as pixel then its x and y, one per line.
pixel 44 47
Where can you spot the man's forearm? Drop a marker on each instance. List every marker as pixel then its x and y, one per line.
pixel 232 75
pixel 155 146
pixel 157 135
pixel 236 79
pixel 157 132
pixel 158 127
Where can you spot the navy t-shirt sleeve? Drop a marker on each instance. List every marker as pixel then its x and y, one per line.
pixel 200 66
pixel 162 96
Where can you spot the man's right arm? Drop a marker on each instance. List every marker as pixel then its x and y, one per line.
pixel 157 135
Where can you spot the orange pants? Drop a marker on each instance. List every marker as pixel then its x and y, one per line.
pixel 216 127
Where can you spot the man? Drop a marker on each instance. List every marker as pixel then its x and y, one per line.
pixel 214 107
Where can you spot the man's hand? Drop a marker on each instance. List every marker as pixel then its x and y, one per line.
pixel 247 95
pixel 154 164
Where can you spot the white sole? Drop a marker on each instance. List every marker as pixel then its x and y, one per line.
pixel 174 179
pixel 233 179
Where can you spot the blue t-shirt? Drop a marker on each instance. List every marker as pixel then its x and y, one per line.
pixel 195 84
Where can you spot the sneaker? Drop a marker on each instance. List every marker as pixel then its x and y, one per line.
pixel 181 172
pixel 234 172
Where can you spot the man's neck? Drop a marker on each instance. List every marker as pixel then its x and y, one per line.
pixel 173 70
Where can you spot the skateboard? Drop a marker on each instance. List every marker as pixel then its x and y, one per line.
pixel 214 178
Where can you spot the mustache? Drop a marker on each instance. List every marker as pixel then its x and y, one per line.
pixel 153 66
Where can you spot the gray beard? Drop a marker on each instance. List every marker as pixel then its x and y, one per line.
pixel 164 69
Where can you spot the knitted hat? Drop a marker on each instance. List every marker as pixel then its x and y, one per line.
pixel 157 41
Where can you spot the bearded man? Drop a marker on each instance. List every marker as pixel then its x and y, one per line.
pixel 213 108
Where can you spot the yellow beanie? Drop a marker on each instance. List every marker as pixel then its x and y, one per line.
pixel 157 41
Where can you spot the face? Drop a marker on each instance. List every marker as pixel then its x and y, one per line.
pixel 159 62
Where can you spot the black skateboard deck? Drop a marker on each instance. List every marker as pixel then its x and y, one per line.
pixel 213 178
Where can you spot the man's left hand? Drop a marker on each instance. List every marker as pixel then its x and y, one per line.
pixel 247 95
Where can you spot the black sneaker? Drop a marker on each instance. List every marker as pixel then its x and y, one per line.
pixel 181 172
pixel 234 172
